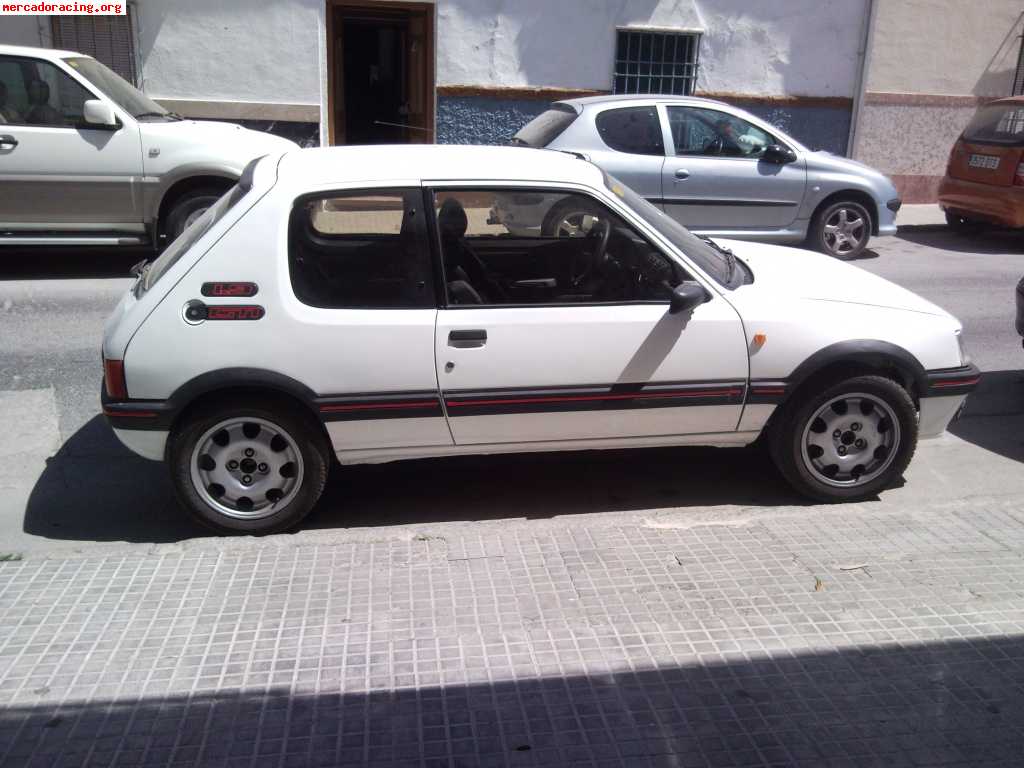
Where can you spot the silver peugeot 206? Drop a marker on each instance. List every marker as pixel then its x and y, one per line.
pixel 716 169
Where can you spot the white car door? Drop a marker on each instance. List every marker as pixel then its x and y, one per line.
pixel 571 337
pixel 57 172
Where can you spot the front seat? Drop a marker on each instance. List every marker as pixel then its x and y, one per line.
pixel 460 263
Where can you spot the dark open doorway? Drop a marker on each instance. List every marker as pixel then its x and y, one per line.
pixel 381 83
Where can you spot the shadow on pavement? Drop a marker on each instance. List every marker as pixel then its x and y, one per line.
pixel 64 263
pixel 949 703
pixel 993 418
pixel 995 241
pixel 94 489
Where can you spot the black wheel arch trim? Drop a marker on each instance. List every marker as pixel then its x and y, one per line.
pixel 871 353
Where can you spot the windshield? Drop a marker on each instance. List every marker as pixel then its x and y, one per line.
pixel 713 261
pixel 546 127
pixel 114 87
pixel 189 237
pixel 997 124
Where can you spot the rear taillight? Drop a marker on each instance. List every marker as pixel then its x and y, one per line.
pixel 952 156
pixel 1018 177
pixel 113 379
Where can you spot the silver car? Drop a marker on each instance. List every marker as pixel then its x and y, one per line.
pixel 716 169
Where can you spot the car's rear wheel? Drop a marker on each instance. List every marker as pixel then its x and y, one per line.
pixel 248 466
pixel 848 441
pixel 186 209
pixel 841 229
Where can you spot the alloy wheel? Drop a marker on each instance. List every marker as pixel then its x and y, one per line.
pixel 246 468
pixel 850 440
pixel 844 231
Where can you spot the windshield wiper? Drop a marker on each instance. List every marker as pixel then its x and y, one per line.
pixel 171 115
pixel 730 257
pixel 516 141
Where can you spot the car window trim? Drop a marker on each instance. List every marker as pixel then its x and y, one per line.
pixel 435 241
pixel 85 85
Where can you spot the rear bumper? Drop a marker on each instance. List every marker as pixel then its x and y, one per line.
pixel 141 425
pixel 986 202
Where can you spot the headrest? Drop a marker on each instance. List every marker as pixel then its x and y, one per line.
pixel 451 219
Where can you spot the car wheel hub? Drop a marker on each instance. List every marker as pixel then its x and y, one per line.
pixel 246 468
pixel 844 231
pixel 850 440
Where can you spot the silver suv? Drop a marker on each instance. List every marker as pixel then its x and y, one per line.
pixel 88 159
pixel 719 171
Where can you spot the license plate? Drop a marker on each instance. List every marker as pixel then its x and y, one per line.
pixel 991 162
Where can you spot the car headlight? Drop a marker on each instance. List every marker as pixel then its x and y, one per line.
pixel 964 357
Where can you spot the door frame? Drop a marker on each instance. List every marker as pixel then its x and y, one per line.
pixel 429 81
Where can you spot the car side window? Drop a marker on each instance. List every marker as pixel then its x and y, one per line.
pixel 515 247
pixel 698 131
pixel 362 249
pixel 36 92
pixel 636 130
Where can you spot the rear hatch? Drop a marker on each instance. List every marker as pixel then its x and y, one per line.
pixel 546 127
pixel 990 148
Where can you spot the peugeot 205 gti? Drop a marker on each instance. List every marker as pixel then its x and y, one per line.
pixel 362 302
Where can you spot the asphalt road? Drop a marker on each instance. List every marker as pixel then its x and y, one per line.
pixel 65 481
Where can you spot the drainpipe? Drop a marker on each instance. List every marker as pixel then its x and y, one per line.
pixel 865 59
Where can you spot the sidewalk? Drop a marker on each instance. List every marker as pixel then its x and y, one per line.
pixel 826 636
pixel 921 215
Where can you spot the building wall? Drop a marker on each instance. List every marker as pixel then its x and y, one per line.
pixel 490 51
pixel 925 81
pixel 794 62
pixel 19 30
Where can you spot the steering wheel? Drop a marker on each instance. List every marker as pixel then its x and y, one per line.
pixel 714 147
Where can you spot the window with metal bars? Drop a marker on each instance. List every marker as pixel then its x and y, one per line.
pixel 108 39
pixel 1018 77
pixel 655 62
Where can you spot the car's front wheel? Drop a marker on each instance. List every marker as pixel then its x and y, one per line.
pixel 848 441
pixel 249 466
pixel 841 229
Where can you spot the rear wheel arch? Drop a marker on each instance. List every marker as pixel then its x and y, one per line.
pixel 224 385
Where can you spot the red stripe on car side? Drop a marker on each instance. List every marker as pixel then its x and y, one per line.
pixel 590 398
pixel 375 406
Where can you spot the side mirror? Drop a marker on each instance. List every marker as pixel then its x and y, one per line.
pixel 686 296
pixel 776 153
pixel 99 113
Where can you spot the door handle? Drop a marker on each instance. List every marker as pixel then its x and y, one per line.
pixel 467 339
pixel 8 142
pixel 682 173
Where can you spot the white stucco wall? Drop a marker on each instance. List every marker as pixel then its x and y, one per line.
pixel 939 47
pixel 19 30
pixel 235 50
pixel 794 47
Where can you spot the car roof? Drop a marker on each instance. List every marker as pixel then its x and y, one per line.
pixel 611 98
pixel 1007 100
pixel 436 162
pixel 35 52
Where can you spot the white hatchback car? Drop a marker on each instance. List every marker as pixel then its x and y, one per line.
pixel 360 302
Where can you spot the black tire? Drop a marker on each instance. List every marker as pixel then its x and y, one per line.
pixel 843 244
pixel 786 440
pixel 307 439
pixel 185 206
pixel 563 208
